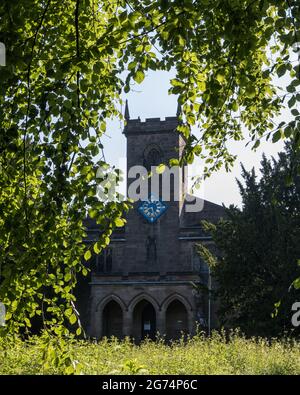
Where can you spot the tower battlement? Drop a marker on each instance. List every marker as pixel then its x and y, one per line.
pixel 150 125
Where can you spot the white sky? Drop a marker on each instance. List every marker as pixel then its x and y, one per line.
pixel 151 99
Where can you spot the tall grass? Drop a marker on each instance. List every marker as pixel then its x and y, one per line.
pixel 197 355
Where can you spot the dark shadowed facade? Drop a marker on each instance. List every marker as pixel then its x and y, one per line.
pixel 142 283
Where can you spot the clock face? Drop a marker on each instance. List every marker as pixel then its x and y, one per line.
pixel 152 209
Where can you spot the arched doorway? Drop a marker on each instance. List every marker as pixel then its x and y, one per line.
pixel 113 320
pixel 144 321
pixel 176 320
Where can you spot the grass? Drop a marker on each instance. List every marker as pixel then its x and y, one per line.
pixel 198 355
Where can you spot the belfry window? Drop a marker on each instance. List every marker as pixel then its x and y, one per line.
pixel 152 157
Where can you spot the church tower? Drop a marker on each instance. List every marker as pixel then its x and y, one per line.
pixel 142 284
pixel 153 224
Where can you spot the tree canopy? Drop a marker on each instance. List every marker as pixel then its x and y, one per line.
pixel 259 250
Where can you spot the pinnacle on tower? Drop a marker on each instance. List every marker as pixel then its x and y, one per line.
pixel 178 109
pixel 126 113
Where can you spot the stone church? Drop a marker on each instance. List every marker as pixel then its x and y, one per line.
pixel 144 282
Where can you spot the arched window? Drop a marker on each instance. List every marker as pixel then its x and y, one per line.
pixel 176 320
pixel 113 320
pixel 152 157
pixel 144 321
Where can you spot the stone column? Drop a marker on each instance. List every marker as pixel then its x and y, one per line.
pixel 161 322
pixel 95 329
pixel 127 323
pixel 95 324
pixel 191 322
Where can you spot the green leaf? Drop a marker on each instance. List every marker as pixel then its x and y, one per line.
pixel 68 276
pixel 97 248
pixel 78 331
pixel 27 322
pixel 276 136
pixel 69 312
pixel 176 82
pixel 292 101
pixel 291 89
pixel 250 91
pixel 220 77
pixel 201 86
pixel 174 162
pixel 119 222
pixel 296 283
pixel 87 255
pixel 234 106
pixel 181 41
pixel 257 144
pixel 160 168
pixel 132 65
pixel 281 70
pixel 72 319
pixel 139 76
pixel 97 67
pixel 288 131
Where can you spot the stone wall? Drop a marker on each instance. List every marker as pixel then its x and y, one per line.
pixel 128 295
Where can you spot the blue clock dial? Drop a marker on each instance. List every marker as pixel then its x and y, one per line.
pixel 152 208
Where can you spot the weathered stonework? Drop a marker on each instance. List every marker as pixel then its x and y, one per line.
pixel 149 287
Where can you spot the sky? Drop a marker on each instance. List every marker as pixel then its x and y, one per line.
pixel 151 99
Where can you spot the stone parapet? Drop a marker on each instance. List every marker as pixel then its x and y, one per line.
pixel 150 125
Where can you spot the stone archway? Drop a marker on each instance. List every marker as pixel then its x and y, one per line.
pixel 144 321
pixel 112 320
pixel 177 322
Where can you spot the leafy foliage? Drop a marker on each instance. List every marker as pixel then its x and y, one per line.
pixel 56 93
pixel 63 80
pixel 259 249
